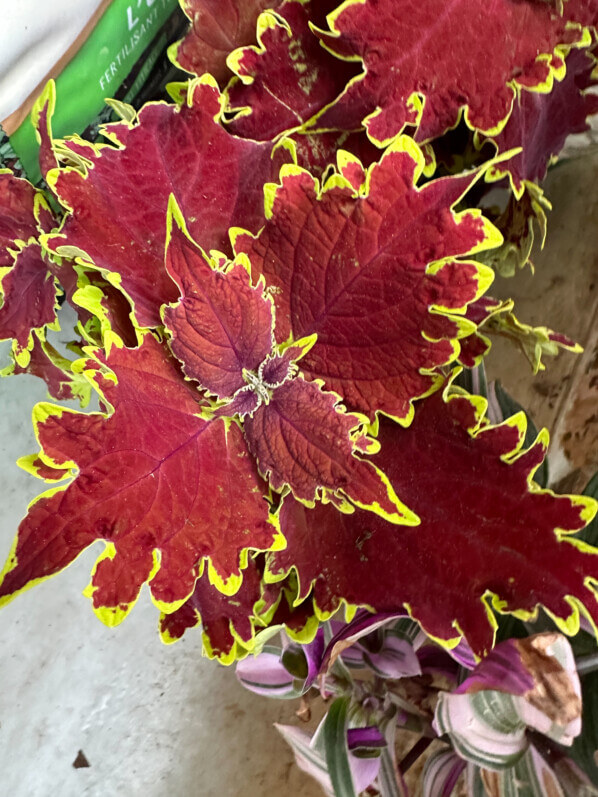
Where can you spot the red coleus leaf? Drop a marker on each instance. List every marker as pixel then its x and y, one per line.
pixel 117 218
pixel 486 531
pixel 35 465
pixel 540 122
pixel 372 272
pixel 301 438
pixel 27 288
pixel 222 331
pixel 399 40
pixel 475 346
pixel 287 78
pixel 18 220
pixel 226 620
pixel 317 151
pixel 217 28
pixel 29 300
pixel 47 364
pixel 222 325
pixel 163 488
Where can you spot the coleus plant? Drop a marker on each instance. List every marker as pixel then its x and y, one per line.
pixel 279 276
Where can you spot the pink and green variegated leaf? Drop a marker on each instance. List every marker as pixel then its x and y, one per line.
pixel 355 774
pixel 533 775
pixel 56 371
pixel 288 77
pixel 222 325
pixel 266 675
pixel 399 40
pixel 164 489
pixel 28 300
pixel 487 532
pixel 217 28
pixel 522 683
pixel 373 272
pixel 540 123
pixel 226 621
pixel 302 439
pixel 117 206
pixel 441 773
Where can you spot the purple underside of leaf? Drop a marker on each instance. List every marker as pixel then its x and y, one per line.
pixel 503 669
pixel 540 122
pixel 369 737
pixel 355 271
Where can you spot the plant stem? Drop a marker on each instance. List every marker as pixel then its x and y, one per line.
pixel 586 664
pixel 416 751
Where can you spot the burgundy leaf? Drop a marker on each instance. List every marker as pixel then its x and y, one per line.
pixel 374 274
pixel 144 474
pixel 485 530
pixel 217 28
pixel 540 122
pixel 301 438
pixel 117 207
pixel 225 620
pixel 222 325
pixel 422 67
pixel 288 77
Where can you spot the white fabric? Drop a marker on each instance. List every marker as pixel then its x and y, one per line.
pixel 34 34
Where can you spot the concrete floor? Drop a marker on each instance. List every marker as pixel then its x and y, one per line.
pixel 154 720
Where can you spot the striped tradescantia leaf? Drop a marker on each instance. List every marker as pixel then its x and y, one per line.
pixel 523 683
pixel 396 657
pixel 265 675
pixel 308 759
pixel 334 737
pixel 326 755
pixel 441 773
pixel 390 781
pixel 530 777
